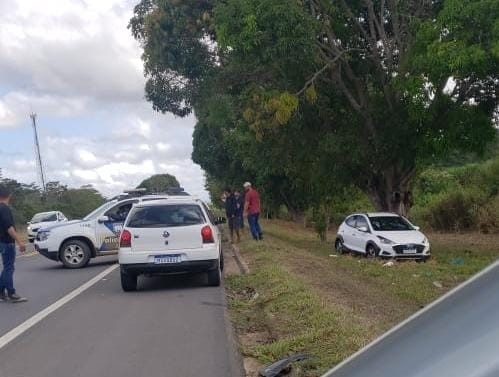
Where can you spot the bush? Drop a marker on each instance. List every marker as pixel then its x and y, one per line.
pixel 454 210
pixel 488 217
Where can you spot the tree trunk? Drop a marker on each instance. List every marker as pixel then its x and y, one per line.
pixel 389 192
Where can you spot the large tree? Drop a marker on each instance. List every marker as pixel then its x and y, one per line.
pixel 159 183
pixel 387 86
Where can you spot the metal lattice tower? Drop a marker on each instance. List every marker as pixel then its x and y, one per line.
pixel 41 175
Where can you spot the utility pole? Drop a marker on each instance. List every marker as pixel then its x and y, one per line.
pixel 38 154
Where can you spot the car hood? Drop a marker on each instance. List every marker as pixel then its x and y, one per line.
pixel 42 224
pixel 60 225
pixel 404 237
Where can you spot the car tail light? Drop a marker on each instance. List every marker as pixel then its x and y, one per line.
pixel 207 234
pixel 126 239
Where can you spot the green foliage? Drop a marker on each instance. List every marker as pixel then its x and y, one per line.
pixel 159 183
pixel 74 203
pixel 299 97
pixel 459 198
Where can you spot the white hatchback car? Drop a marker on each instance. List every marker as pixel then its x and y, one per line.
pixel 387 235
pixel 173 235
pixel 42 220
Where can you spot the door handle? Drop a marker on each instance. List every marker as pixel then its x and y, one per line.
pixel 136 236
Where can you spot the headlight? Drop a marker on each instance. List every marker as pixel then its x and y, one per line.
pixel 43 235
pixel 425 241
pixel 386 240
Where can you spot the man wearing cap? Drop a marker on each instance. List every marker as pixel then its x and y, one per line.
pixel 252 210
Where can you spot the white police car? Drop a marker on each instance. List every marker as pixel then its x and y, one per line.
pixel 74 243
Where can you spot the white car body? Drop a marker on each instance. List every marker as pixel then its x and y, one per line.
pixel 75 242
pixel 43 220
pixel 387 235
pixel 173 235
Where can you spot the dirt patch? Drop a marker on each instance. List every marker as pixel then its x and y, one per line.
pixel 251 367
pixel 340 287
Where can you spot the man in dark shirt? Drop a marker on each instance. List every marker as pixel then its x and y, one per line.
pixel 240 207
pixel 231 212
pixel 8 238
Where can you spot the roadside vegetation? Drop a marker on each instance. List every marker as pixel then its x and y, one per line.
pixel 299 298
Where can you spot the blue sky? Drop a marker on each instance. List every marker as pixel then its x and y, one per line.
pixel 75 64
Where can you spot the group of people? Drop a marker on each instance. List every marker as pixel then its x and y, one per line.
pixel 237 206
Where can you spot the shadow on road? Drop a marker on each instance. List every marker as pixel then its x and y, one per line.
pixel 172 282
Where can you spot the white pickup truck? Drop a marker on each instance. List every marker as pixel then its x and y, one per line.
pixel 74 243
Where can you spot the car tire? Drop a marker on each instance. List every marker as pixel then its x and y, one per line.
pixel 75 254
pixel 128 281
pixel 371 251
pixel 215 276
pixel 339 247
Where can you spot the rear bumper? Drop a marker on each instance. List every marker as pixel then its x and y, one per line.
pixel 53 255
pixel 186 266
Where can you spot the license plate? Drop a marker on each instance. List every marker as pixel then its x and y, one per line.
pixel 409 251
pixel 165 259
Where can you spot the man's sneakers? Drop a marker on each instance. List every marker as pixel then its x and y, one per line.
pixel 15 298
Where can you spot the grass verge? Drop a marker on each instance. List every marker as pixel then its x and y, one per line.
pixel 298 298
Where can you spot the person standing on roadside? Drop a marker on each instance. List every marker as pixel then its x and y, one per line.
pixel 8 239
pixel 252 210
pixel 231 212
pixel 240 207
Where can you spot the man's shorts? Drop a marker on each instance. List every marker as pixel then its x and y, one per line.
pixel 234 223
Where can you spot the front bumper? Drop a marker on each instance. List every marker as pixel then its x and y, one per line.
pixel 396 251
pixel 52 255
pixel 182 267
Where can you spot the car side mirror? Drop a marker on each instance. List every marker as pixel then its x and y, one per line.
pixel 28 223
pixel 363 229
pixel 103 219
pixel 416 227
pixel 220 220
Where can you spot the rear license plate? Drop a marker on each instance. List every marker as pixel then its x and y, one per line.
pixel 409 251
pixel 166 259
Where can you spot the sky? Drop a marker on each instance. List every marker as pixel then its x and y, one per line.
pixel 75 64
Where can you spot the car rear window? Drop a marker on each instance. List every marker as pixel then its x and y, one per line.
pixel 166 216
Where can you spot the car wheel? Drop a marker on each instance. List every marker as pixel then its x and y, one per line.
pixel 215 276
pixel 371 251
pixel 74 254
pixel 339 247
pixel 128 281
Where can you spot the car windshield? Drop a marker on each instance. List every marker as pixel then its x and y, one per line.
pixel 43 217
pixel 390 223
pixel 103 208
pixel 166 216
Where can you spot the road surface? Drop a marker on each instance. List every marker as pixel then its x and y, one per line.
pixel 173 326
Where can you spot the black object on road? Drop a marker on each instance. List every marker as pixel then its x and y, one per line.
pixel 276 368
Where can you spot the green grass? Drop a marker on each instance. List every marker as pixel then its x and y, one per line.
pixel 294 315
pixel 284 298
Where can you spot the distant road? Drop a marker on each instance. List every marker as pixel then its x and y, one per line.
pixel 173 326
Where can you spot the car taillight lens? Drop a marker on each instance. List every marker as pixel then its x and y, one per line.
pixel 126 239
pixel 207 234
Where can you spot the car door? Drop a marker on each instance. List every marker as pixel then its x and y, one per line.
pixel 349 234
pixel 107 233
pixel 361 237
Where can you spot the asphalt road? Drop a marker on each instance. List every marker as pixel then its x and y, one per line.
pixel 457 336
pixel 173 326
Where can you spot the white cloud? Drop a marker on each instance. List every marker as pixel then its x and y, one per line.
pixel 75 64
